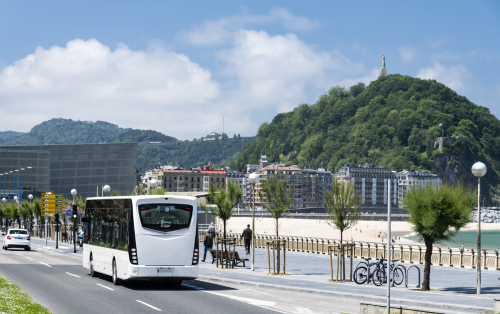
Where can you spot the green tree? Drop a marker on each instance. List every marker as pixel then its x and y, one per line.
pixel 13 212
pixel 276 197
pixel 437 214
pixel 342 206
pixel 224 200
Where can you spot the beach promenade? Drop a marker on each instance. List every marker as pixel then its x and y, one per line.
pixel 364 231
pixel 453 289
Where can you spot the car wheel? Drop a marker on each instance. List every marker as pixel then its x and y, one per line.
pixel 116 281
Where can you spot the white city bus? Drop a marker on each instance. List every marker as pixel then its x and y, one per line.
pixel 142 237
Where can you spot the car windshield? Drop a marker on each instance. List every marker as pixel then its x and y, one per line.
pixel 18 232
pixel 165 217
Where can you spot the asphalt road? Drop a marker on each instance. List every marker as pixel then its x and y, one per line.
pixel 57 280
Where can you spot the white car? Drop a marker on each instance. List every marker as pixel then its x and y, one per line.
pixel 17 238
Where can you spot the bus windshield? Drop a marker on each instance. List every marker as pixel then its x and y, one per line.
pixel 165 217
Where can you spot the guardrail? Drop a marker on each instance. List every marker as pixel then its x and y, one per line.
pixel 265 214
pixel 407 253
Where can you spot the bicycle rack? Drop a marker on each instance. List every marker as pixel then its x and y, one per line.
pixel 406 277
pixel 406 273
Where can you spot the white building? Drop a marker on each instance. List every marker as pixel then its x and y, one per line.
pixel 410 178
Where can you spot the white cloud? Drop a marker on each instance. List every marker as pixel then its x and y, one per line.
pixel 166 91
pixel 86 80
pixel 221 30
pixel 407 53
pixel 277 71
pixel 454 77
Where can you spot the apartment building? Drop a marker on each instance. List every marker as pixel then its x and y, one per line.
pixel 410 178
pixel 371 183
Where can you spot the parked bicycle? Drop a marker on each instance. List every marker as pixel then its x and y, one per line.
pixel 376 272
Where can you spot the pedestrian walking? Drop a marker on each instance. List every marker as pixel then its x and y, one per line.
pixel 208 243
pixel 211 230
pixel 247 236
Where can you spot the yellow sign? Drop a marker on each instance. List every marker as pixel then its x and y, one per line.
pixel 52 201
pixel 52 196
pixel 52 205
pixel 48 214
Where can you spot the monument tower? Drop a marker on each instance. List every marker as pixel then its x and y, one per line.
pixel 383 71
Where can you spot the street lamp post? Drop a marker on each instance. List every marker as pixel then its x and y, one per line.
pixel 9 184
pixel 479 170
pixel 253 179
pixel 21 186
pixel 3 201
pixel 153 184
pixel 74 192
pixel 15 174
pixel 27 180
pixel 106 189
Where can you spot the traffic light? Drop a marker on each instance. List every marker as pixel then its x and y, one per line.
pixel 75 208
pixel 56 216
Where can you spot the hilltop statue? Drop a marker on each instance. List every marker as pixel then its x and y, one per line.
pixel 383 71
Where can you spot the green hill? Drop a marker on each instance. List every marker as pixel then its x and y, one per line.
pixel 394 123
pixel 170 150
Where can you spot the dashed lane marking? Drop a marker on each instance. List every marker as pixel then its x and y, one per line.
pixel 28 257
pixel 104 286
pixel 45 264
pixel 73 275
pixel 154 308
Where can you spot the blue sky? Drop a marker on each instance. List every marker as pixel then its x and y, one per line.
pixel 178 67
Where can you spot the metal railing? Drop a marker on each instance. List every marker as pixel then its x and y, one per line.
pixel 406 253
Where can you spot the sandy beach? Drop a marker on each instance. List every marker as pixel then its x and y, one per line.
pixel 366 231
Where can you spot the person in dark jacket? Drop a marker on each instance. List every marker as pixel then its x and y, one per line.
pixel 208 244
pixel 247 235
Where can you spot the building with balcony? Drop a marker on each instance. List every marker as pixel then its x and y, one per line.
pixel 408 179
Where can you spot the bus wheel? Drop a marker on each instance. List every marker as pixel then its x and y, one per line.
pixel 176 283
pixel 116 281
pixel 92 272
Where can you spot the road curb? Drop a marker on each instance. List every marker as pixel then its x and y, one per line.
pixel 395 301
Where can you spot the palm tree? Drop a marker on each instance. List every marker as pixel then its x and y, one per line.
pixel 24 212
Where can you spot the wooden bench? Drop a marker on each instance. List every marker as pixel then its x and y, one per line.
pixel 223 256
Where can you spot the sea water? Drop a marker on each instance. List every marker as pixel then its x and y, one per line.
pixel 490 239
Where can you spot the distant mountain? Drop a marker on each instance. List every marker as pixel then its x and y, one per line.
pixel 8 136
pixel 394 123
pixel 154 147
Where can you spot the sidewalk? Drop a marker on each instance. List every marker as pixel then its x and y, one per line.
pixel 310 273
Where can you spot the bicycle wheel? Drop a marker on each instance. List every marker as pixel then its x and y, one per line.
pixel 360 275
pixel 379 277
pixel 398 275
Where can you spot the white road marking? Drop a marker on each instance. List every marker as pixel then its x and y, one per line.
pixel 72 275
pixel 246 300
pixel 28 257
pixel 303 310
pixel 18 254
pixel 154 308
pixel 194 287
pixel 104 286
pixel 45 264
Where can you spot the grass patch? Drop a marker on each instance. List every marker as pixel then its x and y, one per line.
pixel 15 300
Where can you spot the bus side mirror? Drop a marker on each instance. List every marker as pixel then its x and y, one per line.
pixel 85 219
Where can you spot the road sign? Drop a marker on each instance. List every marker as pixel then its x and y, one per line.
pixel 69 212
pixel 52 196
pixel 52 200
pixel 48 214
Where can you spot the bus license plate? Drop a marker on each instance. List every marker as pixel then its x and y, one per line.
pixel 165 271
